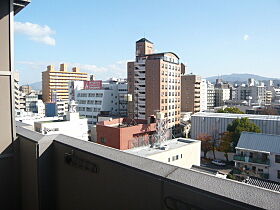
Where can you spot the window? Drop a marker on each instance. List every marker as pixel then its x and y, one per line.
pixel 278 174
pixel 103 140
pixel 168 159
pixel 277 158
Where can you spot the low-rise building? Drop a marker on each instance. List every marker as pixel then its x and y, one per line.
pixel 215 124
pixel 124 133
pixel 58 108
pixel 259 155
pixel 179 152
pixel 72 126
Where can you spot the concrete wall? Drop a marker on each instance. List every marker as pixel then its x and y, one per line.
pixel 188 155
pixel 60 172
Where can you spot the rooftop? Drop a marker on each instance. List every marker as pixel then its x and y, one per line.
pixel 230 115
pixel 259 142
pixel 170 144
pixel 144 40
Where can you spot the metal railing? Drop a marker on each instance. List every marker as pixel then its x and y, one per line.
pixel 251 160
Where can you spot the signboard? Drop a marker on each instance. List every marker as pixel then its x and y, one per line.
pixel 93 85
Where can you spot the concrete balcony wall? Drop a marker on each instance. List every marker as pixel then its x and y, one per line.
pixel 61 172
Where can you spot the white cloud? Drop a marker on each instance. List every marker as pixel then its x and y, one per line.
pixel 36 32
pixel 246 37
pixel 117 69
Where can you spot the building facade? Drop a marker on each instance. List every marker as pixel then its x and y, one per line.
pixel 221 95
pixel 203 95
pixel 109 99
pixel 210 96
pixel 190 93
pixel 154 81
pixel 55 83
pixel 259 155
pixel 215 124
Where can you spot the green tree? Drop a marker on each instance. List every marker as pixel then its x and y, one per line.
pixel 239 125
pixel 226 143
pixel 233 110
pixel 206 144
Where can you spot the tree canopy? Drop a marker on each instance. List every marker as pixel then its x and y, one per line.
pixel 239 125
pixel 233 110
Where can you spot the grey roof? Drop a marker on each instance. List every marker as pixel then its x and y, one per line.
pixel 259 142
pixel 263 183
pixel 144 40
pixel 234 116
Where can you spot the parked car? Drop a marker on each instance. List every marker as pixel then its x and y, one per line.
pixel 218 162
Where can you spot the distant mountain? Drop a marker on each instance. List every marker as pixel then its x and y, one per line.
pixel 239 77
pixel 36 85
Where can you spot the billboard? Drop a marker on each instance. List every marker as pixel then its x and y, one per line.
pixel 93 85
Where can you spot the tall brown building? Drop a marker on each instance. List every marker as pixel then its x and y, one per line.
pixel 190 93
pixel 55 83
pixel 154 80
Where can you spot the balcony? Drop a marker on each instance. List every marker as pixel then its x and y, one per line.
pixel 251 160
pixel 60 172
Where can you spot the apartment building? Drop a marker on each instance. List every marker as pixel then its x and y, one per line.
pixel 16 91
pixel 210 96
pixel 190 93
pixel 58 108
pixel 154 81
pixel 258 154
pixel 203 95
pixel 109 98
pixel 55 83
pixel 253 94
pixel 221 95
pixel 26 89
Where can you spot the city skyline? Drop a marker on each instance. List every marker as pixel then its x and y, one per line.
pixel 212 38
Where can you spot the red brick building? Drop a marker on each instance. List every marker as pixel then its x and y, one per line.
pixel 120 134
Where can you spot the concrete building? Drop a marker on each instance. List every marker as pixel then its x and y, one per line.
pixel 221 95
pixel 25 89
pixel 259 155
pixel 179 152
pixel 154 81
pixel 190 93
pixel 203 95
pixel 55 83
pixel 58 108
pixel 123 134
pixel 62 172
pixel 254 94
pixel 109 98
pixel 210 96
pixel 216 123
pixel 72 126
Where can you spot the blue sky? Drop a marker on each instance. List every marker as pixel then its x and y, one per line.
pixel 213 37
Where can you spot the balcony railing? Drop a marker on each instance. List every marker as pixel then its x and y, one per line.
pixel 251 160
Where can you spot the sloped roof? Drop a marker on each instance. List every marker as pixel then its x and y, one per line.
pixel 144 40
pixel 259 142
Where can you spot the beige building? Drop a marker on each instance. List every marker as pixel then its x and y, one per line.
pixel 154 81
pixel 190 97
pixel 55 83
pixel 25 89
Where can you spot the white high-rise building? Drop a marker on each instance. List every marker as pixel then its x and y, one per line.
pixel 210 96
pixel 108 99
pixel 203 95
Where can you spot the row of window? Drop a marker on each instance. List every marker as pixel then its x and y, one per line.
pixel 171 93
pixel 176 157
pixel 170 108
pixel 90 95
pixel 173 100
pixel 96 102
pixel 171 67
pixel 171 87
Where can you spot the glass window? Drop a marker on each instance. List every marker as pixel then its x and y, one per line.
pixel 277 158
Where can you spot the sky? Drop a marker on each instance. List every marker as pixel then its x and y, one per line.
pixel 212 37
